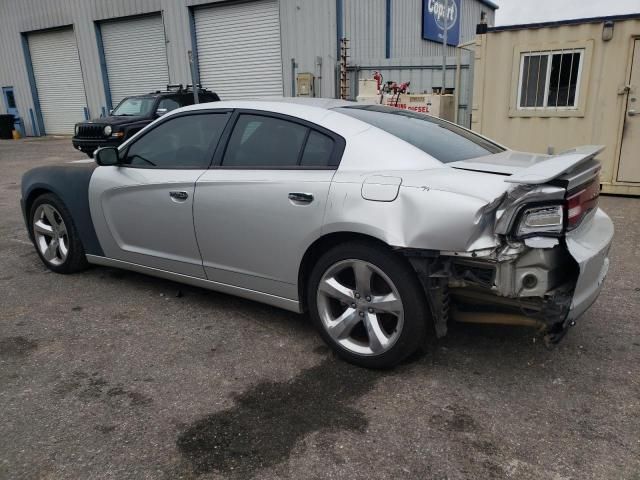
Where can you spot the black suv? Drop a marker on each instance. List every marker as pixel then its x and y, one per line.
pixel 133 114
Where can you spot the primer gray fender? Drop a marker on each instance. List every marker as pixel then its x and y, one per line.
pixel 70 183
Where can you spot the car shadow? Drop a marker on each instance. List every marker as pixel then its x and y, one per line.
pixel 277 318
pixel 491 340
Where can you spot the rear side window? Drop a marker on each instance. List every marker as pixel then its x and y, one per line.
pixel 318 150
pixel 442 140
pixel 168 104
pixel 186 141
pixel 263 142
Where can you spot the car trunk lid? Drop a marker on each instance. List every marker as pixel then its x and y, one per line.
pixel 569 169
pixel 575 171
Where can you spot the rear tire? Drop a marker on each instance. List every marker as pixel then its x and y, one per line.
pixel 368 304
pixel 55 236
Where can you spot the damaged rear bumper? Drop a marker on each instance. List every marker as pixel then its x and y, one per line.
pixel 589 246
pixel 543 284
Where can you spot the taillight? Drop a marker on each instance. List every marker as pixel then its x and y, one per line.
pixel 580 203
pixel 545 220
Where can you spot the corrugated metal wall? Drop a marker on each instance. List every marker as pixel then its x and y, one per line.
pixel 18 16
pixel 308 29
pixel 364 26
pixel 412 58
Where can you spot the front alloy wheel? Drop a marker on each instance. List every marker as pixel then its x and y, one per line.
pixel 50 234
pixel 55 236
pixel 368 304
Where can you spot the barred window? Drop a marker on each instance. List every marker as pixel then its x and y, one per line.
pixel 550 79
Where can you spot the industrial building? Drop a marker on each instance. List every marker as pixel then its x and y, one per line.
pixel 552 86
pixel 64 61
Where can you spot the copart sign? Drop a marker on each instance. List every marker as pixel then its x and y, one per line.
pixel 437 13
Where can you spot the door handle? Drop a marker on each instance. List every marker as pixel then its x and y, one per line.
pixel 179 195
pixel 301 197
pixel 632 113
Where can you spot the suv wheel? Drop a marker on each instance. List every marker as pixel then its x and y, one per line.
pixel 368 304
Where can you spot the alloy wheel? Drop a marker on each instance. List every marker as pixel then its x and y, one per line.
pixel 360 307
pixel 51 236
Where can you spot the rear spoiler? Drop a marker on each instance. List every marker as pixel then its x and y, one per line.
pixel 555 166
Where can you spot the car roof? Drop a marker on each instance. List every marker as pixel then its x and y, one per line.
pixel 275 103
pixel 316 110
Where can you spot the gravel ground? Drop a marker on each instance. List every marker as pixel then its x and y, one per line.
pixel 114 375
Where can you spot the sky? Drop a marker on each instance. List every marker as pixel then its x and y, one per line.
pixel 513 12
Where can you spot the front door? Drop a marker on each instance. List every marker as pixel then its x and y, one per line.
pixel 143 208
pixel 258 210
pixel 629 170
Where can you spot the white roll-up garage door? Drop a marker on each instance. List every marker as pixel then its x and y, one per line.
pixel 56 68
pixel 136 56
pixel 239 51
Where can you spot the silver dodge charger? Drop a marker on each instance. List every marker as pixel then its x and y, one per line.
pixel 382 224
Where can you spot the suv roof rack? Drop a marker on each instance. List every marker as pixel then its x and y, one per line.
pixel 174 87
pixel 180 88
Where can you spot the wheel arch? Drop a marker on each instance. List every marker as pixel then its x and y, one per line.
pixel 70 183
pixel 34 193
pixel 318 248
pixel 31 197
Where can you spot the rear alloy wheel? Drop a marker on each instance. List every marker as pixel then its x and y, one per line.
pixel 55 236
pixel 368 305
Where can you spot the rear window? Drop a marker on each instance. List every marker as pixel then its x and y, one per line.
pixel 442 140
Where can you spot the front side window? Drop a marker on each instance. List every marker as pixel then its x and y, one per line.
pixel 259 141
pixel 550 79
pixel 134 106
pixel 186 141
pixel 443 140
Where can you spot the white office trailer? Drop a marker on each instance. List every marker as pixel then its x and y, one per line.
pixel 67 60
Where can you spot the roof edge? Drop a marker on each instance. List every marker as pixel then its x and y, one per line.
pixel 490 4
pixel 559 23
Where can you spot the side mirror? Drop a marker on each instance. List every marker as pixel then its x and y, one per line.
pixel 161 111
pixel 106 156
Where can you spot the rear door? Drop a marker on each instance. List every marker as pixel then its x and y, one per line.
pixel 143 209
pixel 263 204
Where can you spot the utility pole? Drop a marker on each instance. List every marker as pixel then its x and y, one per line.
pixel 444 45
pixel 194 76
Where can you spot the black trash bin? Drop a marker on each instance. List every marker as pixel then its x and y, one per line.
pixel 6 127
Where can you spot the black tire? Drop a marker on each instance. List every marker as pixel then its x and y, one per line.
pixel 88 154
pixel 75 260
pixel 416 316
